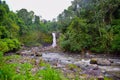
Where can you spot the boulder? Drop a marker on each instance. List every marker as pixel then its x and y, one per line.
pixel 38 54
pixel 93 61
pixel 115 64
pixel 104 62
pixel 100 78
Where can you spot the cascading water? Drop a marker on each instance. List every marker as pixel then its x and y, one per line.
pixel 54 40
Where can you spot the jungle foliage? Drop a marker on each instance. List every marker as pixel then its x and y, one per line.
pixel 22 27
pixel 91 24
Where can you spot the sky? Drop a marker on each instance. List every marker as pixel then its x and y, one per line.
pixel 48 9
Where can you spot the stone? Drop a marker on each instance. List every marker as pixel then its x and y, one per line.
pixel 93 61
pixel 111 61
pixel 39 54
pixel 34 70
pixel 100 78
pixel 95 67
pixel 115 64
pixel 71 76
pixel 37 62
pixel 104 62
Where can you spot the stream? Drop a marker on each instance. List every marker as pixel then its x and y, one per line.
pixel 62 59
pixel 74 64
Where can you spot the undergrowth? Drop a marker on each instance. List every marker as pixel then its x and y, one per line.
pixel 22 71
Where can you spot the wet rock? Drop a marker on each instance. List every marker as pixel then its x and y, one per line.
pixel 37 61
pixel 104 62
pixel 100 78
pixel 93 61
pixel 65 62
pixel 83 64
pixel 77 64
pixel 111 60
pixel 115 64
pixel 54 63
pixel 110 68
pixel 115 75
pixel 38 54
pixel 92 70
pixel 95 67
pixel 60 66
pixel 103 72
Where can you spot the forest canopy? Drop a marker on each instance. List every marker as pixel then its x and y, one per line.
pixel 22 27
pixel 91 24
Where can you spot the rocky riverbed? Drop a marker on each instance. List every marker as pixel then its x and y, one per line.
pixel 75 66
pixel 104 67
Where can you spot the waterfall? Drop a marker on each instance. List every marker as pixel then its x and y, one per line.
pixel 54 40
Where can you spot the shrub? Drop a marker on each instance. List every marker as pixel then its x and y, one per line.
pixel 3 46
pixel 1 55
pixel 36 38
pixel 9 45
pixel 17 43
pixel 50 74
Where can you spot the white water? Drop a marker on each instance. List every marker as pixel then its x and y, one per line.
pixel 54 40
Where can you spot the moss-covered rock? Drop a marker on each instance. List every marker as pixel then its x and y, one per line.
pixel 93 61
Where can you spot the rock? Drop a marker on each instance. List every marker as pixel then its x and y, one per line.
pixel 104 62
pixel 111 61
pixel 100 78
pixel 115 64
pixel 78 64
pixel 32 55
pixel 71 76
pixel 92 72
pixel 95 67
pixel 103 72
pixel 34 70
pixel 116 75
pixel 93 61
pixel 37 61
pixel 42 68
pixel 38 54
pixel 60 66
pixel 87 55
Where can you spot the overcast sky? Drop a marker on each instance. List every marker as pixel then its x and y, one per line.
pixel 48 9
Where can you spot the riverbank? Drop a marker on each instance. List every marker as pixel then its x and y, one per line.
pixel 74 65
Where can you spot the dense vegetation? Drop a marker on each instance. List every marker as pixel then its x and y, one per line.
pixel 8 29
pixel 12 69
pixel 91 24
pixel 22 27
pixel 86 24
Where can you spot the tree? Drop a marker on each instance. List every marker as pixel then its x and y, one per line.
pixel 101 18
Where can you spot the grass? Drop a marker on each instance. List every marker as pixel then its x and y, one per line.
pixel 106 78
pixel 12 69
pixel 50 74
